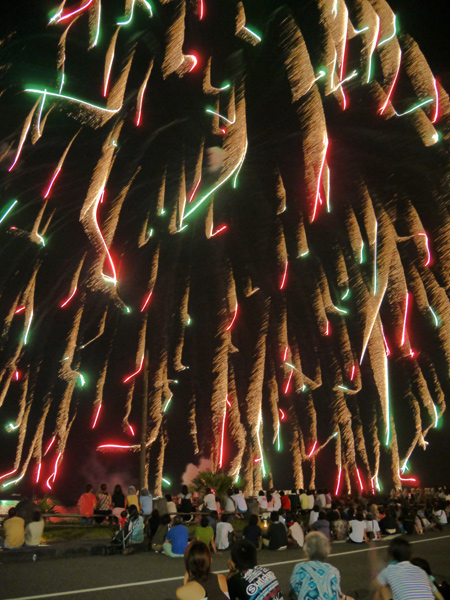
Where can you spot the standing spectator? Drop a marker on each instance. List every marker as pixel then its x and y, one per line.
pixel 199 582
pixel 104 503
pixel 160 535
pixel 248 581
pixel 14 527
pixel 223 532
pixel 285 502
pixel 132 498
pixel 86 505
pixel 205 533
pixel 176 539
pixel 119 502
pixel 315 578
pixel 146 504
pixel 275 538
pixel 404 579
pixel 185 503
pixel 252 531
pixel 240 502
pixel 276 500
pixel 357 529
pixel 209 501
pixel 171 506
pixel 322 525
pixel 34 530
pixel 230 506
pixel 295 532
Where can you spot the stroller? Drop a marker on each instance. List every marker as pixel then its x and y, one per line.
pixel 132 534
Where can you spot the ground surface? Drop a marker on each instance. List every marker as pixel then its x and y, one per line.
pixel 155 577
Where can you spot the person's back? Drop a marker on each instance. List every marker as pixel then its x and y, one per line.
pixel 204 533
pixel 247 580
pixel 276 537
pixel 294 500
pixel 304 502
pixel 177 537
pixel 14 527
pixel 199 582
pixel 223 532
pixel 322 525
pixel 160 534
pixel 34 530
pixel 132 499
pixel 252 531
pixel 146 502
pixel 407 581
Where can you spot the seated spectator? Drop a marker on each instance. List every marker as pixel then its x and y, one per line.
pixel 104 504
pixel 185 503
pixel 440 516
pixel 404 579
pixel 372 528
pixel 123 519
pixel 240 502
pixel 146 504
pixel 119 502
pixel 314 515
pixel 199 582
pixel 321 500
pixel 152 523
pixel 159 537
pixel 338 526
pixel 357 529
pixel 86 505
pixel 262 501
pixel 294 500
pixel 311 499
pixel 134 526
pixel 315 578
pixel 276 499
pixel 132 498
pixel 176 539
pixel 34 530
pixel 328 498
pixel 388 524
pixel 276 537
pixel 213 517
pixel 209 501
pixel 205 533
pixel 171 506
pixel 425 565
pixel 246 580
pixel 295 533
pixel 252 532
pixel 14 527
pixel 285 502
pixel 322 525
pixel 224 531
pixel 270 501
pixel 304 502
pixel 230 506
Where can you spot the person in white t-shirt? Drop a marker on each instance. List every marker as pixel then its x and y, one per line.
pixel 357 529
pixel 262 501
pixel 313 515
pixel 229 506
pixel 372 528
pixel 321 500
pixel 440 516
pixel 295 532
pixel 209 501
pixel 276 500
pixel 34 530
pixel 240 502
pixel 223 531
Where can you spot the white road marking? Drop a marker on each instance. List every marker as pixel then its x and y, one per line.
pixel 166 579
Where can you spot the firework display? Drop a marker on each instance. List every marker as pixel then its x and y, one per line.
pixel 255 194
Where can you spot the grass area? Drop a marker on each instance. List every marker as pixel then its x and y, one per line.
pixel 70 534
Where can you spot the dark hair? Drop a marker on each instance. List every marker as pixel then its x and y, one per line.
pixel 400 549
pixel 184 489
pixel 236 490
pixel 133 512
pixel 12 512
pixel 204 522
pixel 281 493
pixel 274 515
pixel 155 513
pixel 243 554
pixel 253 520
pixel 302 491
pixel 261 493
pixel 165 519
pixel 37 515
pixel 316 508
pixel 224 518
pixel 197 561
pixel 269 496
pixel 88 488
pixel 118 489
pixel 322 515
pixel 422 563
pixel 293 491
pixel 168 497
pixel 177 520
pixel 124 514
pixel 208 490
pixel 230 492
pixel 359 516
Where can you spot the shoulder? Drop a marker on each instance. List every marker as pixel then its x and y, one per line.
pixel 191 591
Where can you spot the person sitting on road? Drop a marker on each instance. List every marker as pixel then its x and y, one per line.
pixel 224 531
pixel 160 535
pixel 14 527
pixel 276 537
pixel 401 580
pixel 313 515
pixel 132 498
pixel 176 539
pixel 199 582
pixel 295 533
pixel 248 581
pixel 357 529
pixel 252 532
pixel 86 505
pixel 205 533
pixel 322 525
pixel 315 578
pixel 34 530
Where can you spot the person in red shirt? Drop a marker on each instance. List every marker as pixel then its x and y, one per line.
pixel 86 505
pixel 285 502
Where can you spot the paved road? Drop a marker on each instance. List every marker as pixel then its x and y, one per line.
pixel 155 577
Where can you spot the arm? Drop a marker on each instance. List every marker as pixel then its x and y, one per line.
pixel 213 544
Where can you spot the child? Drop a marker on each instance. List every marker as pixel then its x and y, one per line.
pixel 123 519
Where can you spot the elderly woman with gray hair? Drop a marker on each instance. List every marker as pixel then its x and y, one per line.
pixel 315 578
